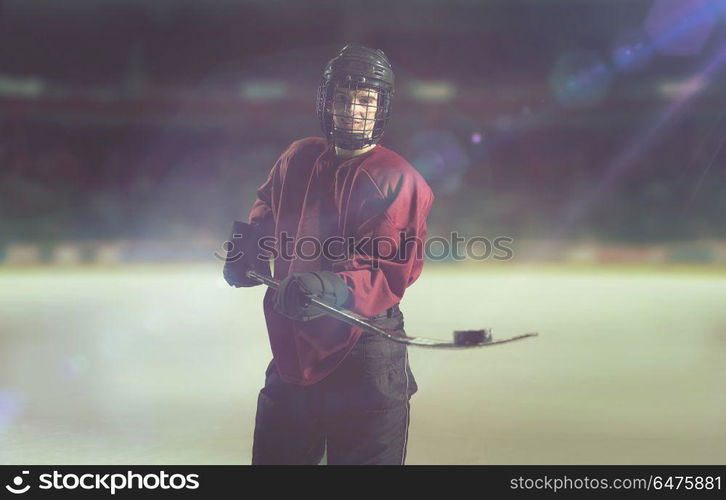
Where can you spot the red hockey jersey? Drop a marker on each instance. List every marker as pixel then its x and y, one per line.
pixel 311 195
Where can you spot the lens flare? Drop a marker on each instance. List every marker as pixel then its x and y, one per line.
pixel 681 27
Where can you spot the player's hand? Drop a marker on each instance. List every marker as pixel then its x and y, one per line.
pixel 292 298
pixel 243 254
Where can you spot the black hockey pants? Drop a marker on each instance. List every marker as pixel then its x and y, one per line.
pixel 360 411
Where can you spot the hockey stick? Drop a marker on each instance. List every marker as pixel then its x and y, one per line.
pixel 463 339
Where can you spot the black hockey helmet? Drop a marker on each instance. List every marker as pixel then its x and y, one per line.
pixel 364 71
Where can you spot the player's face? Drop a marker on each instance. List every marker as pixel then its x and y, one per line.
pixel 355 110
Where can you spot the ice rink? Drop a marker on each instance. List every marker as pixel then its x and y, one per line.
pixel 162 365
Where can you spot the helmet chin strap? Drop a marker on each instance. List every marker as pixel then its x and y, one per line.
pixel 351 141
pixel 349 153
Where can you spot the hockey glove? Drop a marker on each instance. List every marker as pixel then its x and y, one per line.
pixel 292 298
pixel 243 254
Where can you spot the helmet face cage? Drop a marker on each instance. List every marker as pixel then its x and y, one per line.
pixel 353 113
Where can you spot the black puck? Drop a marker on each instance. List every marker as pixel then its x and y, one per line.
pixel 472 337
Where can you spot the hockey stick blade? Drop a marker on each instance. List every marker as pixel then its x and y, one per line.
pixel 363 323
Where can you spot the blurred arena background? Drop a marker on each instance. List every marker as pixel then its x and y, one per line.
pixel 590 132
